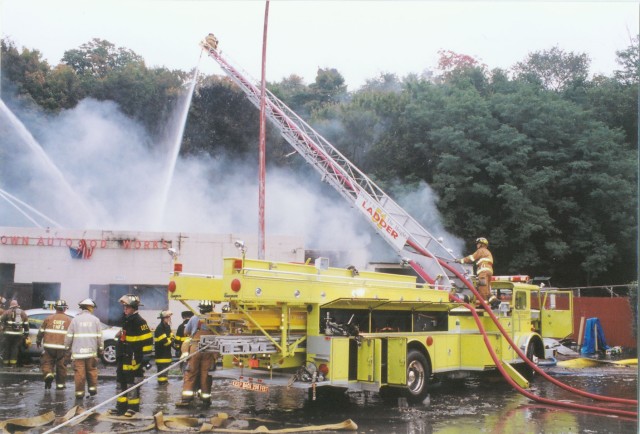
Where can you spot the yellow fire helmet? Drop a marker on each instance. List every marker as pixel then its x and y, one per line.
pixel 482 240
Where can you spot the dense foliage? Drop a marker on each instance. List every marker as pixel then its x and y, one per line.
pixel 540 159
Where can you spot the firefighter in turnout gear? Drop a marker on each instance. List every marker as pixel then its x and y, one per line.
pixel 163 339
pixel 484 266
pixel 196 376
pixel 180 333
pixel 84 339
pixel 51 336
pixel 15 331
pixel 135 343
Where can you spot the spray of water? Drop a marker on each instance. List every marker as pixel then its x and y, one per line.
pixel 175 150
pixel 75 204
pixel 20 206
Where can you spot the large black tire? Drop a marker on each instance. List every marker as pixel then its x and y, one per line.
pixel 523 368
pixel 418 374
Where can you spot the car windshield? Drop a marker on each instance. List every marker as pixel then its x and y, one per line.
pixel 36 319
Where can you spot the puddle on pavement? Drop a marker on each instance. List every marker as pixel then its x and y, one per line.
pixel 483 404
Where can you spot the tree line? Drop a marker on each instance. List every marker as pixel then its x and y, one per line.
pixel 541 159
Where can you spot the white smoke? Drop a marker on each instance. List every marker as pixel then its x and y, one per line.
pixel 108 161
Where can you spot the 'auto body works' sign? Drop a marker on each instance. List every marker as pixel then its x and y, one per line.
pixel 386 225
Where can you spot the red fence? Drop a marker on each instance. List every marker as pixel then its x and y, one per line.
pixel 616 318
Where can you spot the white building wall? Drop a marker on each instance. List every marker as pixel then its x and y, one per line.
pixel 125 258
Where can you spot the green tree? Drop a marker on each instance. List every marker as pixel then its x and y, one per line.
pixel 554 69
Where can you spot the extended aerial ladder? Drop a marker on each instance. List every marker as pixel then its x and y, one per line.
pixel 417 248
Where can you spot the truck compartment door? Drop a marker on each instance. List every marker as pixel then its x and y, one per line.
pixel 396 361
pixel 370 361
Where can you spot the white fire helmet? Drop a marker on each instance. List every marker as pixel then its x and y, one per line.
pixel 87 302
pixel 165 314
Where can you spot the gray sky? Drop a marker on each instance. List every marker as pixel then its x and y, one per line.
pixel 359 38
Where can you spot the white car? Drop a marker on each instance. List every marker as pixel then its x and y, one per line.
pixel 37 316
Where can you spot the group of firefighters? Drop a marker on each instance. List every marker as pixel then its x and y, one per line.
pixel 79 339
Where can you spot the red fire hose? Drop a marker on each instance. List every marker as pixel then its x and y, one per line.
pixel 537 369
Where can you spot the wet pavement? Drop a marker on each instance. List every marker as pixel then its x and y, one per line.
pixel 481 404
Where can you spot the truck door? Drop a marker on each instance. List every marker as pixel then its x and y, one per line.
pixel 370 361
pixel 396 371
pixel 556 314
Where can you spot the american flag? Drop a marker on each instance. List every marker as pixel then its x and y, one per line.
pixel 83 251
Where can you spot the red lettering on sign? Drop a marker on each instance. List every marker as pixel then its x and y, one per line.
pixel 42 241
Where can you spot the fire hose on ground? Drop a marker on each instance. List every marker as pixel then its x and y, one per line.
pixel 92 409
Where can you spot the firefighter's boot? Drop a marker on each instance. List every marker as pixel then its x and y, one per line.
pixel 187 397
pixel 121 407
pixel 206 399
pixel 48 379
pixel 183 403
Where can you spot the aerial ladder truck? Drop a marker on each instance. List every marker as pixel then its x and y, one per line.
pixel 313 326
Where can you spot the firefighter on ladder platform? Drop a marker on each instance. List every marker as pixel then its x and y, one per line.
pixel 135 342
pixel 196 374
pixel 163 338
pixel 51 336
pixel 484 268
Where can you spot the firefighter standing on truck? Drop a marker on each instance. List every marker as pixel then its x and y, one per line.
pixel 84 339
pixel 135 343
pixel 163 339
pixel 51 336
pixel 15 331
pixel 484 266
pixel 196 375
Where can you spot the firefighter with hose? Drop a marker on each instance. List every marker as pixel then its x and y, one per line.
pixel 483 259
pixel 135 343
pixel 196 376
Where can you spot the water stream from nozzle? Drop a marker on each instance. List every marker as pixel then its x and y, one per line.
pixel 176 141
pixel 74 203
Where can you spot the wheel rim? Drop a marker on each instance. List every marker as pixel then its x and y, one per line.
pixel 415 377
pixel 110 354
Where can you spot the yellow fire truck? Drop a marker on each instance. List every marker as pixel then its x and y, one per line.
pixel 312 326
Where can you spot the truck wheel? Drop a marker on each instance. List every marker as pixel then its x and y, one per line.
pixel 418 374
pixel 527 371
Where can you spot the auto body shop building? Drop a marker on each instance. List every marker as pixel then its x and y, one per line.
pixel 43 264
